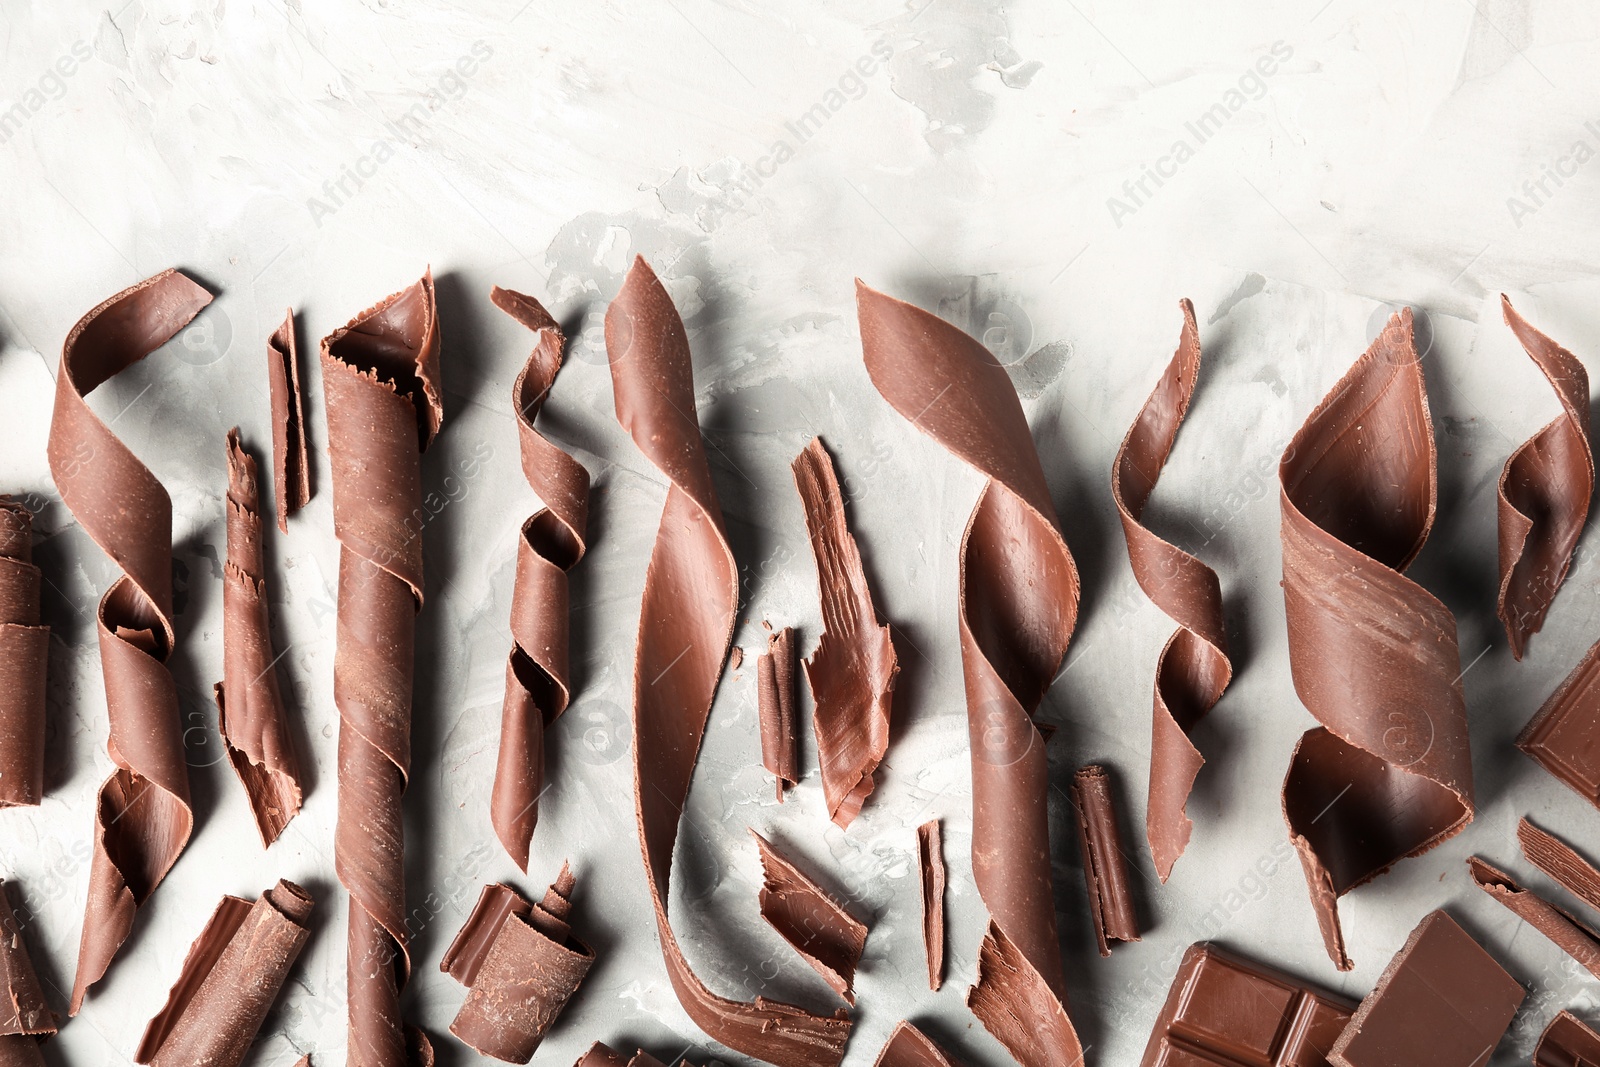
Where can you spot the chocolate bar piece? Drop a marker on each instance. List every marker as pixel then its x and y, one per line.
pixel 1564 736
pixel 1567 1042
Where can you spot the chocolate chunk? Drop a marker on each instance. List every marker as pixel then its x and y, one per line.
pixel 1560 861
pixel 811 920
pixel 1567 1042
pixel 142 816
pixel 1388 773
pixel 1226 1011
pixel 1193 668
pixel 380 382
pixel 601 1054
pixel 250 712
pixel 1017 605
pixel 1563 736
pixel 291 466
pixel 229 980
pixel 24 651
pixel 1545 490
pixel 1104 873
pixel 1442 1001
pixel 775 707
pixel 521 964
pixel 852 671
pixel 909 1047
pixel 25 1017
pixel 538 683
pixel 691 594
pixel 930 859
pixel 1559 925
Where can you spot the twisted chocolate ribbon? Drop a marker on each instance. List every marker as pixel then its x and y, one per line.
pixel 380 382
pixel 691 592
pixel 24 652
pixel 1388 774
pixel 538 686
pixel 1018 604
pixel 1545 490
pixel 1193 668
pixel 143 818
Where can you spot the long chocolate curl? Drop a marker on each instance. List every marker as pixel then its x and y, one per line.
pixel 1388 774
pixel 25 1017
pixel 1545 490
pixel 1193 668
pixel 538 685
pixel 1018 604
pixel 380 381
pixel 250 711
pixel 691 592
pixel 24 652
pixel 143 818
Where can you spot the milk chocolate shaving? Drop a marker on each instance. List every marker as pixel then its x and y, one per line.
pixel 811 920
pixel 1563 737
pixel 1566 930
pixel 1388 774
pixel 142 818
pixel 538 684
pixel 25 1017
pixel 852 671
pixel 1567 1042
pixel 24 650
pixel 250 713
pixel 691 591
pixel 909 1047
pixel 380 381
pixel 601 1054
pixel 291 467
pixel 1018 603
pixel 775 708
pixel 521 964
pixel 1545 490
pixel 229 980
pixel 1561 862
pixel 1104 872
pixel 1193 668
pixel 930 859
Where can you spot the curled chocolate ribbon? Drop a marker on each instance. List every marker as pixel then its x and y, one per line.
pixel 380 382
pixel 1018 604
pixel 1193 668
pixel 25 1017
pixel 1388 774
pixel 291 466
pixel 24 653
pixel 142 818
pixel 538 686
pixel 1545 490
pixel 691 592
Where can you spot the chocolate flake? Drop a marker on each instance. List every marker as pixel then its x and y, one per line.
pixel 1563 737
pixel 601 1054
pixel 1561 862
pixel 1563 928
pixel 1104 872
pixel 1567 1042
pixel 291 466
pixel 909 1047
pixel 26 1018
pixel 930 859
pixel 775 709
pixel 24 652
pixel 811 920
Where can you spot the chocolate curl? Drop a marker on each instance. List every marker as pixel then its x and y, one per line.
pixel 930 860
pixel 250 711
pixel 143 818
pixel 909 1047
pixel 1569 933
pixel 1545 490
pixel 1388 774
pixel 520 964
pixel 691 592
pixel 1567 1042
pixel 775 708
pixel 1561 862
pixel 601 1054
pixel 291 467
pixel 808 917
pixel 538 685
pixel 380 382
pixel 230 978
pixel 24 651
pixel 1193 668
pixel 1018 604
pixel 26 1017
pixel 1104 873
pixel 852 671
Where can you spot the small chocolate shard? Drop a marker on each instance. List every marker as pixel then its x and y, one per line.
pixel 930 859
pixel 1104 872
pixel 811 920
pixel 1563 736
pixel 601 1054
pixel 291 465
pixel 24 652
pixel 909 1047
pixel 25 1017
pixel 1015 1004
pixel 1567 1042
pixel 1564 929
pixel 775 707
pixel 1561 862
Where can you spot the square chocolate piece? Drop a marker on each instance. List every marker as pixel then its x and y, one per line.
pixel 1563 737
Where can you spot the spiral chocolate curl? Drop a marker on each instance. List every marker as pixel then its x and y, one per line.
pixel 24 653
pixel 1388 774
pixel 1193 668
pixel 380 381
pixel 1018 604
pixel 1545 491
pixel 142 818
pixel 538 685
pixel 691 592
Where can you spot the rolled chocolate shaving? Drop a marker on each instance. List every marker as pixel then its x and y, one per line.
pixel 1561 862
pixel 930 860
pixel 1104 872
pixel 1563 736
pixel 25 1017
pixel 520 964
pixel 909 1047
pixel 538 685
pixel 1567 1042
pixel 291 466
pixel 229 980
pixel 601 1054
pixel 775 708
pixel 142 818
pixel 1568 932
pixel 380 375
pixel 1193 668
pixel 1018 603
pixel 24 652
pixel 852 671
pixel 1545 490
pixel 811 920
pixel 691 591
pixel 1388 775
pixel 250 713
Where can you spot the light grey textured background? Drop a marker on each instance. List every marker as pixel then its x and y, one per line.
pixel 972 174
